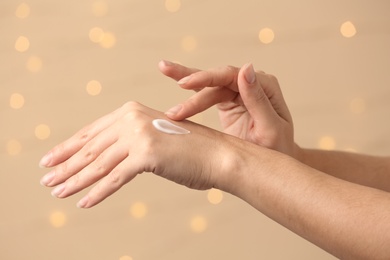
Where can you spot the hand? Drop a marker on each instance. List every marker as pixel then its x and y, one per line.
pixel 251 105
pixel 120 145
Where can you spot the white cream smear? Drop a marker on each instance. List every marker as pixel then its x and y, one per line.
pixel 167 127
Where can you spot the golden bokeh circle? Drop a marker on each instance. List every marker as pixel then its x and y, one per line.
pixel 16 101
pixel 266 35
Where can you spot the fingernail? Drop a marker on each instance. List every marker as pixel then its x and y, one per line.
pixel 47 178
pixel 58 190
pixel 249 73
pixel 184 80
pixel 45 161
pixel 167 63
pixel 174 110
pixel 83 202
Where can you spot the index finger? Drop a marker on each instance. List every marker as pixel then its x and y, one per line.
pixel 174 70
pixel 217 77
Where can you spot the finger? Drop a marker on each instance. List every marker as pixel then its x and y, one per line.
pixel 272 90
pixel 174 70
pixel 65 150
pixel 123 173
pixel 87 154
pixel 218 77
pixel 93 172
pixel 225 81
pixel 254 98
pixel 201 101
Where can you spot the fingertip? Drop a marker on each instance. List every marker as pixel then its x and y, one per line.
pixel 165 63
pixel 174 110
pixel 47 179
pixel 46 160
pixel 83 203
pixel 162 66
pixel 168 68
pixel 174 117
pixel 249 73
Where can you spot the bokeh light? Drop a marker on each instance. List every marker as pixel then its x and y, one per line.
pixel 125 257
pixel 14 147
pixel 327 143
pixel 189 43
pixel 348 29
pixel 34 64
pixel 108 40
pixel 57 219
pixel 214 196
pixel 172 5
pixel 266 35
pixel 96 34
pixel 16 101
pixel 22 11
pixel 42 131
pixel 94 87
pixel 138 210
pixel 22 44
pixel 198 224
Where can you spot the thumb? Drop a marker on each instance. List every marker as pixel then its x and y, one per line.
pixel 254 97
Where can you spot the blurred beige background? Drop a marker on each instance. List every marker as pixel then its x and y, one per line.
pixel 65 63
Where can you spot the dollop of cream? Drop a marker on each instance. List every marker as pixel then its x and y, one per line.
pixel 167 127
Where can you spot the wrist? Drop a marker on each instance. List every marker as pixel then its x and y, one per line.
pixel 242 165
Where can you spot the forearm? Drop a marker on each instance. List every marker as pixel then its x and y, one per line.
pixel 348 220
pixel 372 171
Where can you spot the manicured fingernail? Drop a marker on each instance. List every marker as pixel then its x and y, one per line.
pixel 83 202
pixel 45 161
pixel 58 190
pixel 47 178
pixel 174 110
pixel 249 73
pixel 167 63
pixel 184 80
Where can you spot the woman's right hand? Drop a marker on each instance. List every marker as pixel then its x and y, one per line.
pixel 250 103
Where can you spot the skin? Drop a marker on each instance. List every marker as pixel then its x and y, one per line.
pixel 257 114
pixel 251 106
pixel 348 220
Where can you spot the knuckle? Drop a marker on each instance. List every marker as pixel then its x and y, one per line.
pixel 136 120
pixel 273 78
pixel 99 165
pixel 232 69
pixel 90 153
pixel 260 96
pixel 84 135
pixel 131 105
pixel 210 77
pixel 272 81
pixel 132 115
pixel 114 178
